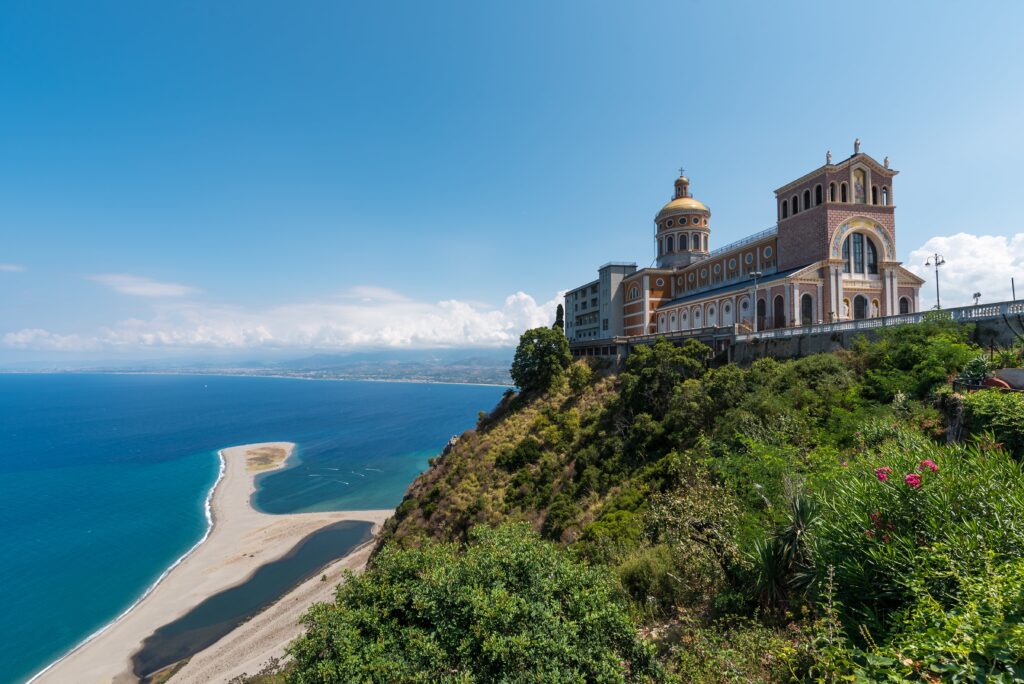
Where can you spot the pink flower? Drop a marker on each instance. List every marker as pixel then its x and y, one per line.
pixel 913 480
pixel 883 473
pixel 929 464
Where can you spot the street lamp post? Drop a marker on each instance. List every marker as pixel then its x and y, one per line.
pixel 936 260
pixel 755 275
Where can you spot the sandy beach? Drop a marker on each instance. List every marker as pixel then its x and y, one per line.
pixel 242 540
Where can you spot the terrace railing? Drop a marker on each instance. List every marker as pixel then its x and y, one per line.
pixel 963 313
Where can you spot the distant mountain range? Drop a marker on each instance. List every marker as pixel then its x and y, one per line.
pixel 473 366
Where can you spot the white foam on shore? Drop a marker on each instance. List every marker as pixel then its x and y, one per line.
pixel 208 508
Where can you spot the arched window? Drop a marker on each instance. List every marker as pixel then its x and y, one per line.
pixel 874 194
pixel 672 322
pixel 860 307
pixel 860 255
pixel 807 199
pixel 904 305
pixel 634 292
pixel 760 314
pixel 831 192
pixel 661 247
pixel 661 323
pixel 843 193
pixel 858 252
pixel 806 310
pixel 796 204
pixel 712 319
pixel 683 322
pixel 779 312
pixel 885 197
pixel 669 245
pixel 817 194
pixel 785 209
pixel 682 242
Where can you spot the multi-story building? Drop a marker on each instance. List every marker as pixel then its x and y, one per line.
pixel 594 311
pixel 831 256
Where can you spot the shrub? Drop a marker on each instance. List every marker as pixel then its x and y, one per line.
pixel 653 371
pixel 528 451
pixel 507 607
pixel 914 359
pixel 541 357
pixel 652 580
pixel 743 651
pixel 889 514
pixel 998 412
pixel 580 376
pixel 976 370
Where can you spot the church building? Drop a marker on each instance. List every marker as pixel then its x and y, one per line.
pixel 830 257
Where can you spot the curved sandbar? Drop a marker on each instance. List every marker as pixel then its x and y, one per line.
pixel 242 539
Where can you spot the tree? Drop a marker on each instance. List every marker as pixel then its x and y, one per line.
pixel 559 319
pixel 653 371
pixel 507 607
pixel 541 357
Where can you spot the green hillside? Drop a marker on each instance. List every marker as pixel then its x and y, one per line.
pixel 791 521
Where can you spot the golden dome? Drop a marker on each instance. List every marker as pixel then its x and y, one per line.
pixel 681 204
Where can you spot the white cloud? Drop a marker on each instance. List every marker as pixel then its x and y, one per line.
pixel 361 318
pixel 11 268
pixel 139 286
pixel 974 263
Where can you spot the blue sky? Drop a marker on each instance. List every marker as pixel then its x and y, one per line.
pixel 229 177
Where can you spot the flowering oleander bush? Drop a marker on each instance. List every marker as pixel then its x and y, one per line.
pixel 890 515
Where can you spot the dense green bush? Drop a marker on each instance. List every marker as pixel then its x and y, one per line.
pixel 914 359
pixel 505 608
pixel 580 375
pixel 896 510
pixel 998 412
pixel 541 357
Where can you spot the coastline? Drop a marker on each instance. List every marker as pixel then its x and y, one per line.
pixel 278 376
pixel 208 510
pixel 239 539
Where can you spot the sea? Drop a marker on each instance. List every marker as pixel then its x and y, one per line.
pixel 104 478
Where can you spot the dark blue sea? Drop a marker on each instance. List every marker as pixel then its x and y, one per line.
pixel 103 478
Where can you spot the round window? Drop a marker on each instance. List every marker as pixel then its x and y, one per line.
pixel 691 277
pixel 745 305
pixel 727 308
pixel 718 268
pixel 679 281
pixel 767 252
pixel 749 258
pixel 659 282
pixel 696 314
pixel 682 220
pixel 703 273
pixel 669 223
pixel 732 264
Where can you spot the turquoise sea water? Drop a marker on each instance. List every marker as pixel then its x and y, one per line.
pixel 103 478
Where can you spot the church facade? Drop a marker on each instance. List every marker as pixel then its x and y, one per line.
pixel 830 257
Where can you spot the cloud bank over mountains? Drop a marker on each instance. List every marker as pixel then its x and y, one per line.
pixel 360 318
pixel 366 317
